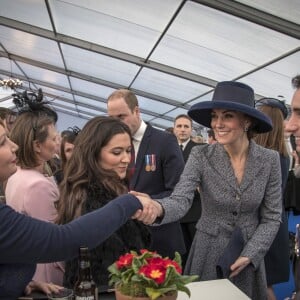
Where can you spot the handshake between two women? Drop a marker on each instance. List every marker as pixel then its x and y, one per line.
pixel 151 209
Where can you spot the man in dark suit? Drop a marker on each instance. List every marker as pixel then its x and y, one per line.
pixel 183 127
pixel 158 165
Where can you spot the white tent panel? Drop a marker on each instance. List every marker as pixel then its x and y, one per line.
pixel 99 66
pixel 68 105
pixel 287 66
pixel 103 29
pixel 165 123
pixel 263 79
pixel 206 97
pixel 175 112
pixel 153 106
pixel 55 93
pixel 229 35
pixel 199 60
pixel 45 75
pixel 86 110
pixel 28 11
pixel 66 120
pixel 167 86
pixel 146 118
pixel 91 88
pixel 89 102
pixel 7 103
pixel 9 66
pixel 31 46
pixel 289 9
pixel 151 14
pixel 171 53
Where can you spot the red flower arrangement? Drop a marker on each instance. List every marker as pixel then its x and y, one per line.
pixel 147 274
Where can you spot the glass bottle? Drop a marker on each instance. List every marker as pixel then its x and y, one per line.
pixel 85 287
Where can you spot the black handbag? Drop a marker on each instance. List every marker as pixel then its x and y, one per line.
pixel 230 254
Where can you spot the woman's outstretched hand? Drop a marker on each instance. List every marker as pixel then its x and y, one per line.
pixel 151 209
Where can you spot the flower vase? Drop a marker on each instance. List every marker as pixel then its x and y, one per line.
pixel 120 296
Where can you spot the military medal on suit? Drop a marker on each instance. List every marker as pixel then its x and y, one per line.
pixel 150 162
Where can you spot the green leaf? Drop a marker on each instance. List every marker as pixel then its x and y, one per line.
pixel 183 288
pixel 177 258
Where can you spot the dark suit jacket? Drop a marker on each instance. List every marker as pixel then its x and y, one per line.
pixel 194 212
pixel 187 150
pixel 160 183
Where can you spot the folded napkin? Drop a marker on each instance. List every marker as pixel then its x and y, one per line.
pixel 230 254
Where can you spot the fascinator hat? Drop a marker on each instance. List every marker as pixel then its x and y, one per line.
pixel 272 102
pixel 235 96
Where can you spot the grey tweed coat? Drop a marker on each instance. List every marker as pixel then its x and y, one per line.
pixel 254 205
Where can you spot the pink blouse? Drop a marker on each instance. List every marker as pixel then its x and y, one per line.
pixel 33 194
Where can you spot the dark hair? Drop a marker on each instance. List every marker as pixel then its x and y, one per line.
pixel 68 136
pixel 296 82
pixel 211 134
pixel 129 97
pixel 185 117
pixel 83 168
pixel 170 130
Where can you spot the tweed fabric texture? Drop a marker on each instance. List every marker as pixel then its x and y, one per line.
pixel 254 205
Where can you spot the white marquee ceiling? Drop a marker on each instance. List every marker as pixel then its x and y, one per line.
pixel 171 53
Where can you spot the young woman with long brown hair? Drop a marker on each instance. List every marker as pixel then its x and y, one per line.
pixel 95 174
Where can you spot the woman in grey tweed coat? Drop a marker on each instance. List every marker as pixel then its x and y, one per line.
pixel 240 186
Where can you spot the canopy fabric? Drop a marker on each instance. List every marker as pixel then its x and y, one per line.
pixel 171 53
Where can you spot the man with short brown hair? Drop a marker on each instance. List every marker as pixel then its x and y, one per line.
pixel 158 165
pixel 183 127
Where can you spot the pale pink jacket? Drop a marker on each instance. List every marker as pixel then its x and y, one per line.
pixel 33 194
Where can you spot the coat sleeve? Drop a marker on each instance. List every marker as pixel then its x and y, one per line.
pixel 27 240
pixel 270 216
pixel 177 205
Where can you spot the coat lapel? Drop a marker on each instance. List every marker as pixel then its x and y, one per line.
pixel 253 167
pixel 221 163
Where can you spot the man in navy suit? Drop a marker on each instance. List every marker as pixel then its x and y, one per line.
pixel 183 127
pixel 158 165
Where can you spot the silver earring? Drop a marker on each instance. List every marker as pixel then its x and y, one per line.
pixel 246 128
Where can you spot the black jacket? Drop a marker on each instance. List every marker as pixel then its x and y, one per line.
pixel 133 235
pixel 194 213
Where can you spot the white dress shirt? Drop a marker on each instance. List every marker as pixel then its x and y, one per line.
pixel 137 138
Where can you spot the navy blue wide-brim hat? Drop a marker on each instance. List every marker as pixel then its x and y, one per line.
pixel 234 96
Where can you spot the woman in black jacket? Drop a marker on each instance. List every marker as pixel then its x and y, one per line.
pixel 96 174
